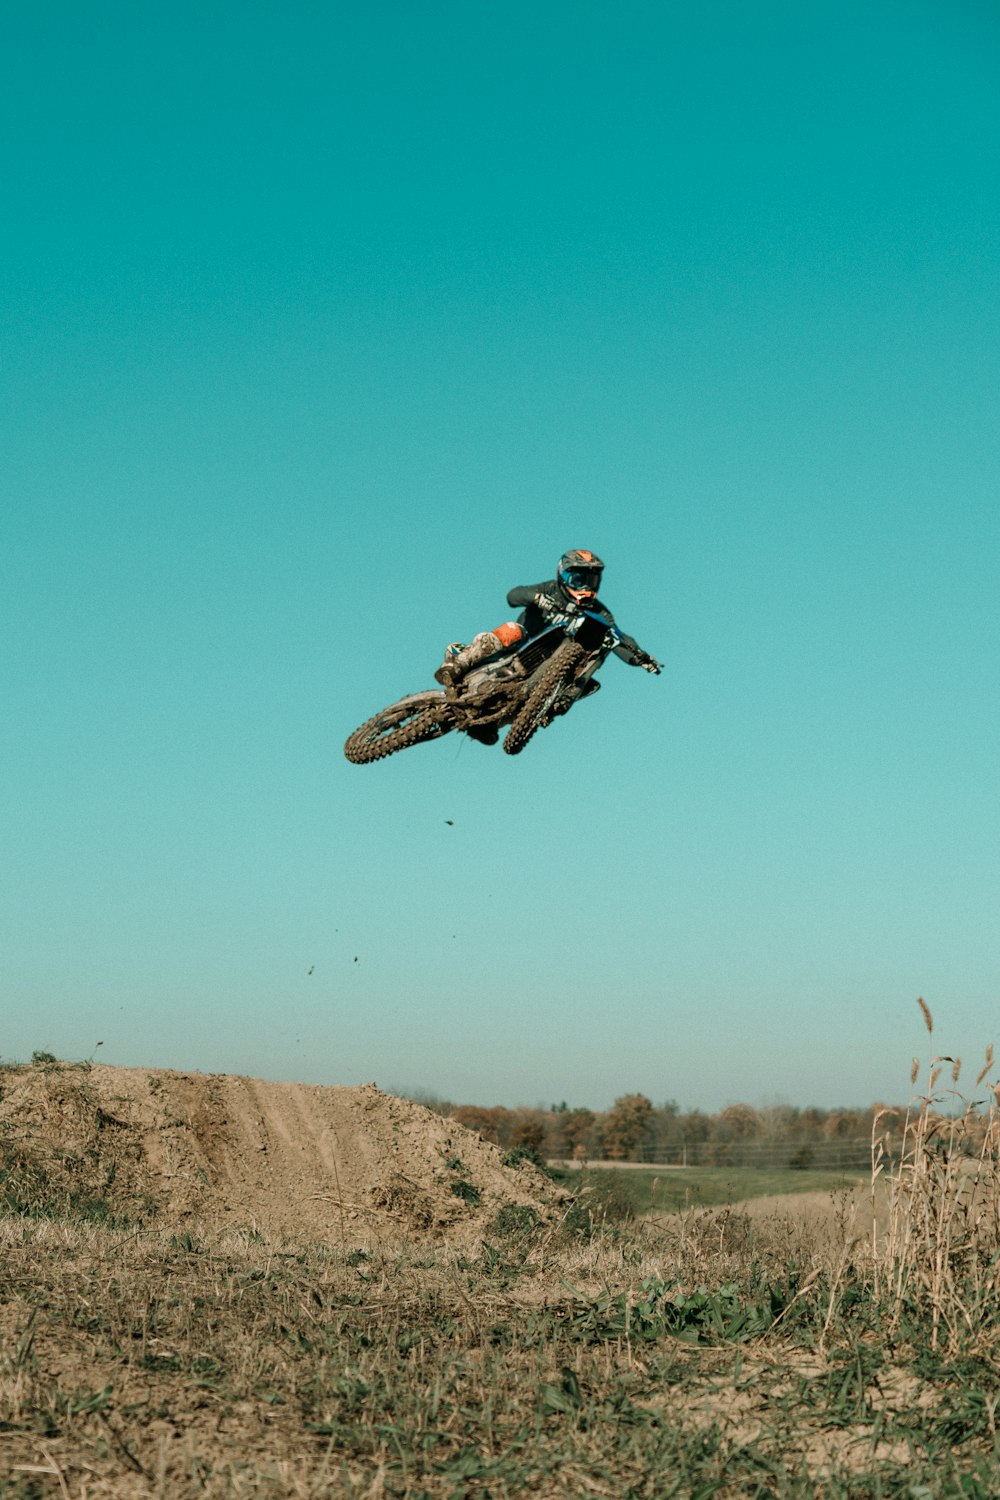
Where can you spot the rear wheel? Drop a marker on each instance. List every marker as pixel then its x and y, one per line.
pixel 421 716
pixel 539 701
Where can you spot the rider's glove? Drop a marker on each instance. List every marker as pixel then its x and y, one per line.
pixel 648 663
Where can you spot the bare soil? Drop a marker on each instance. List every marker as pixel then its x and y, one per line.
pixel 353 1167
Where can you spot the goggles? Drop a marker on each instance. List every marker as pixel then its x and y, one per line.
pixel 581 580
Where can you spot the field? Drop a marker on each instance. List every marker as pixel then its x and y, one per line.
pixel 534 1344
pixel 650 1190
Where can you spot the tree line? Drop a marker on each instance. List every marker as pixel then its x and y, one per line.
pixel 634 1129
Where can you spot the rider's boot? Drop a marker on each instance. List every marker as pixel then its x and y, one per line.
pixel 448 673
pixel 459 659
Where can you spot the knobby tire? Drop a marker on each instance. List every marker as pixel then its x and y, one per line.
pixel 529 718
pixel 413 724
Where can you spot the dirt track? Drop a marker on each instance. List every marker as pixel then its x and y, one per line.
pixel 352 1166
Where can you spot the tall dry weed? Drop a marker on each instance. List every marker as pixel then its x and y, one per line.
pixel 935 1198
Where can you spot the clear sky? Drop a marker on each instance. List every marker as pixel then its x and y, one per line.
pixel 323 326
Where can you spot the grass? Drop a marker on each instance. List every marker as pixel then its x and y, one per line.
pixel 651 1190
pixel 693 1355
pixel 147 1364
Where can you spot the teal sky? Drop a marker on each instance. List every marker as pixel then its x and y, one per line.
pixel 323 326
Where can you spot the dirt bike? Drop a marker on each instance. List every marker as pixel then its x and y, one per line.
pixel 526 688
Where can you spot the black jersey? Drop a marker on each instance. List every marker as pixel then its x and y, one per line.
pixel 542 604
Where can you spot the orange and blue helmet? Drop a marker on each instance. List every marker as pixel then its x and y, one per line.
pixel 579 573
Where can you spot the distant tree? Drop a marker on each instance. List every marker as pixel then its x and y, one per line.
pixel 693 1128
pixel 666 1133
pixel 810 1123
pixel 492 1124
pixel 625 1125
pixel 841 1124
pixel 574 1128
pixel 696 1127
pixel 737 1122
pixel 779 1123
pixel 528 1133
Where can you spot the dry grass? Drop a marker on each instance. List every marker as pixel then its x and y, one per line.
pixel 747 1350
pixel 936 1207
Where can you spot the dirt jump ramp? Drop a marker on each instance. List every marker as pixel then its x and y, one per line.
pixel 350 1166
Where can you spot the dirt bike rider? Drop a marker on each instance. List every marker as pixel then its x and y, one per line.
pixel 572 591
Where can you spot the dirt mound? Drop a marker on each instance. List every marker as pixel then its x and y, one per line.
pixel 351 1166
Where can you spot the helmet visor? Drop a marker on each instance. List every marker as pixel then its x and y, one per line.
pixel 582 580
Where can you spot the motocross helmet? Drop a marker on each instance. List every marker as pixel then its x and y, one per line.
pixel 579 573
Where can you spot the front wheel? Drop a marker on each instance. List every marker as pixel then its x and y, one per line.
pixel 421 716
pixel 538 702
